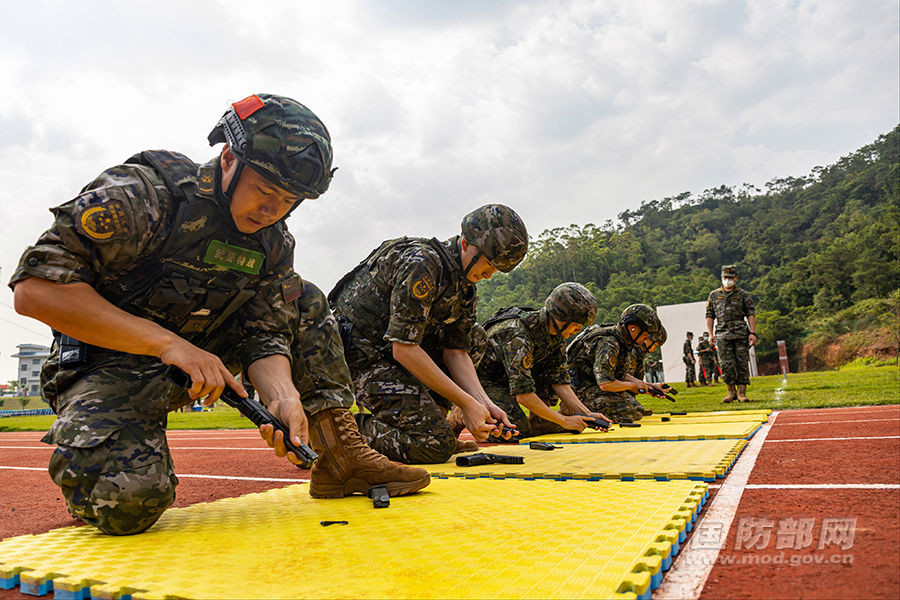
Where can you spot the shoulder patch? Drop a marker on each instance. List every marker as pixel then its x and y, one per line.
pixel 422 287
pixel 528 361
pixel 104 222
pixel 292 288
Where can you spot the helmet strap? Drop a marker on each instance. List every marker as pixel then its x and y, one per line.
pixel 232 185
pixel 472 262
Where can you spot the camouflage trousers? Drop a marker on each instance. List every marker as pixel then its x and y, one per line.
pixel 690 373
pixel 708 371
pixel 734 359
pixel 408 422
pixel 112 461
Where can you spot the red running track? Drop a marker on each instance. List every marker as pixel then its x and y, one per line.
pixel 845 461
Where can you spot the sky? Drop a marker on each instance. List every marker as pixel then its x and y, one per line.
pixel 570 112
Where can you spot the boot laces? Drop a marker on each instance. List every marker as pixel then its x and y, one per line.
pixel 354 441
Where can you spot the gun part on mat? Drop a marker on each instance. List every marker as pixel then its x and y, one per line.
pixel 488 459
pixel 542 446
pixel 379 496
pixel 254 411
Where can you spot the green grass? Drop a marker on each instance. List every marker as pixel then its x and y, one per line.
pixel 221 416
pixel 861 383
pixel 856 384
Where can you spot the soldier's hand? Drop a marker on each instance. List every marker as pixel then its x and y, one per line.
pixel 712 340
pixel 290 412
pixel 479 421
pixel 752 339
pixel 602 417
pixel 575 422
pixel 500 417
pixel 207 372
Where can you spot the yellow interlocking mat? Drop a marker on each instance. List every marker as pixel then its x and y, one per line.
pixel 702 460
pixel 724 413
pixel 657 432
pixel 701 418
pixel 456 539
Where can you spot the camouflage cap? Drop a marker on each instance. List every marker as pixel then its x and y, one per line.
pixel 643 316
pixel 280 139
pixel 499 233
pixel 729 271
pixel 690 334
pixel 572 303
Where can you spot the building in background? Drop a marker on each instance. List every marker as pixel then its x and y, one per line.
pixel 678 319
pixel 31 357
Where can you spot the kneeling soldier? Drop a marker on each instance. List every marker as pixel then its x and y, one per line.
pixel 407 314
pixel 603 363
pixel 525 362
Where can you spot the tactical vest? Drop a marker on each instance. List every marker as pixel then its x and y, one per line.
pixel 491 368
pixel 450 276
pixel 205 269
pixel 578 354
pixel 506 313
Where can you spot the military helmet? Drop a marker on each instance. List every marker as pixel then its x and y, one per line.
pixel 644 317
pixel 572 303
pixel 498 233
pixel 280 139
pixel 661 337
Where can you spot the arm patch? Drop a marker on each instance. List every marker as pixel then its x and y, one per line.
pixel 104 222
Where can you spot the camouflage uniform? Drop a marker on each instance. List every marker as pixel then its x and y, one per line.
pixel 729 309
pixel 598 355
pixel 687 357
pixel 411 291
pixel 522 357
pixel 155 238
pixel 707 362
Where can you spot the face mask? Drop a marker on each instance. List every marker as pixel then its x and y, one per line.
pixel 726 282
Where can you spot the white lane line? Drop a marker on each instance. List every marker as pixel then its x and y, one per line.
pixel 840 439
pixel 273 479
pixel 245 478
pixel 215 448
pixel 823 486
pixel 841 422
pixel 687 576
pixel 861 409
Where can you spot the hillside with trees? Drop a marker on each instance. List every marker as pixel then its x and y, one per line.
pixel 820 255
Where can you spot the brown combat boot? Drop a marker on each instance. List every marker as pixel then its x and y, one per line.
pixel 457 424
pixel 465 446
pixel 348 466
pixel 742 393
pixel 732 394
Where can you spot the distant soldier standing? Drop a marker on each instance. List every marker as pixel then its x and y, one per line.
pixel 687 357
pixel 728 307
pixel 707 363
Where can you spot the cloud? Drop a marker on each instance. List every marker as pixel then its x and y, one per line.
pixel 570 111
